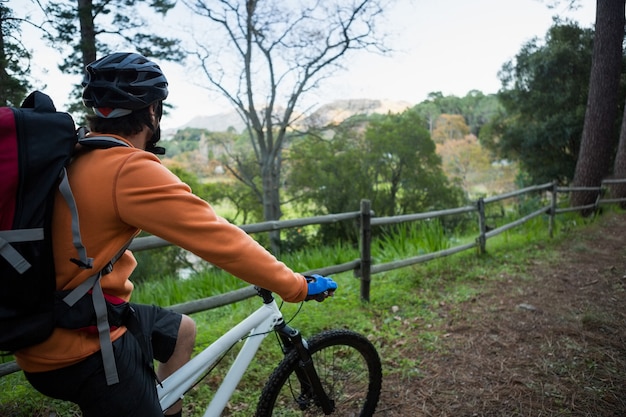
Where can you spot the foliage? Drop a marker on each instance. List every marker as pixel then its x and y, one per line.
pixel 320 167
pixel 245 205
pixel 476 108
pixel 449 127
pixel 118 22
pixel 185 140
pixel 14 60
pixel 465 160
pixel 159 264
pixel 389 160
pixel 189 150
pixel 405 168
pixel 212 145
pixel 294 240
pixel 544 94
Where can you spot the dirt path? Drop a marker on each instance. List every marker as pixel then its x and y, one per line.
pixel 549 341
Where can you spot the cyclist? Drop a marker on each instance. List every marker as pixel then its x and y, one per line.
pixel 120 191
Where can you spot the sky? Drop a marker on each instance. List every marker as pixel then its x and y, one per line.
pixel 450 46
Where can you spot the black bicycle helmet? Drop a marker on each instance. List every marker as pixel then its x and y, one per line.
pixel 123 80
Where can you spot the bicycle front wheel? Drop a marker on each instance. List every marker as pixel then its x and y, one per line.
pixel 349 368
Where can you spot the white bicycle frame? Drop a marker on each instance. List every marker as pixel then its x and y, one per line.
pixel 256 327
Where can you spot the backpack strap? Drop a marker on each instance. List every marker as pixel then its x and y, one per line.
pixel 101 142
pixel 9 253
pixel 25 235
pixel 98 142
pixel 94 142
pixel 102 322
pixel 64 187
pixel 100 308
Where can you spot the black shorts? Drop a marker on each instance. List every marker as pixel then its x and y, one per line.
pixel 135 395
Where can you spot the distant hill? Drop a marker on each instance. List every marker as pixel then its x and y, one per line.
pixel 217 123
pixel 339 110
pixel 334 112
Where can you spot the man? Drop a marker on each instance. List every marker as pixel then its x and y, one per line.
pixel 120 191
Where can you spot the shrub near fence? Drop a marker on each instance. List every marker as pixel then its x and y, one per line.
pixel 363 267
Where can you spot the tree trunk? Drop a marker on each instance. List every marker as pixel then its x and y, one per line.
pixel 87 31
pixel 619 169
pixel 271 199
pixel 599 138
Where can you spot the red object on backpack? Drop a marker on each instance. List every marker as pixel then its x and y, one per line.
pixel 8 167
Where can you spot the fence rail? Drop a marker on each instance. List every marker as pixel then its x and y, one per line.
pixel 363 267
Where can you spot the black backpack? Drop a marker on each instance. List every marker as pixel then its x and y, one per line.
pixel 36 144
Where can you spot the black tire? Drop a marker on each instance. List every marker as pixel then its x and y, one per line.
pixel 350 371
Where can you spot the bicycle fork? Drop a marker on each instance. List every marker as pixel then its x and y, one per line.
pixel 308 378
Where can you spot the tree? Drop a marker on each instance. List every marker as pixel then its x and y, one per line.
pixel 599 134
pixel 476 108
pixel 321 164
pixel 14 59
pixel 543 96
pixel 388 159
pixel 407 172
pixel 273 53
pixel 84 29
pixel 448 127
pixel 479 109
pixel 466 162
pixel 430 110
pixel 461 158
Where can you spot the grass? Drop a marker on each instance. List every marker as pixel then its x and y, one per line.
pixel 401 301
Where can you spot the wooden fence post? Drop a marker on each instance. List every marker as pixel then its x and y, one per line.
pixel 482 226
pixel 553 209
pixel 366 249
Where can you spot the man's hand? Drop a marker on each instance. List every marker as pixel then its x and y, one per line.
pixel 320 287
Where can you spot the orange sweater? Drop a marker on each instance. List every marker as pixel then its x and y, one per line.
pixel 120 191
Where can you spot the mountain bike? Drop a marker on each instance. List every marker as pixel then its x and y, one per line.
pixel 336 372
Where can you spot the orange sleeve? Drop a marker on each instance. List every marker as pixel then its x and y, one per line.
pixel 150 197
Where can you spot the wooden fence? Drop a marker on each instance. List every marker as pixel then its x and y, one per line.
pixel 363 267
